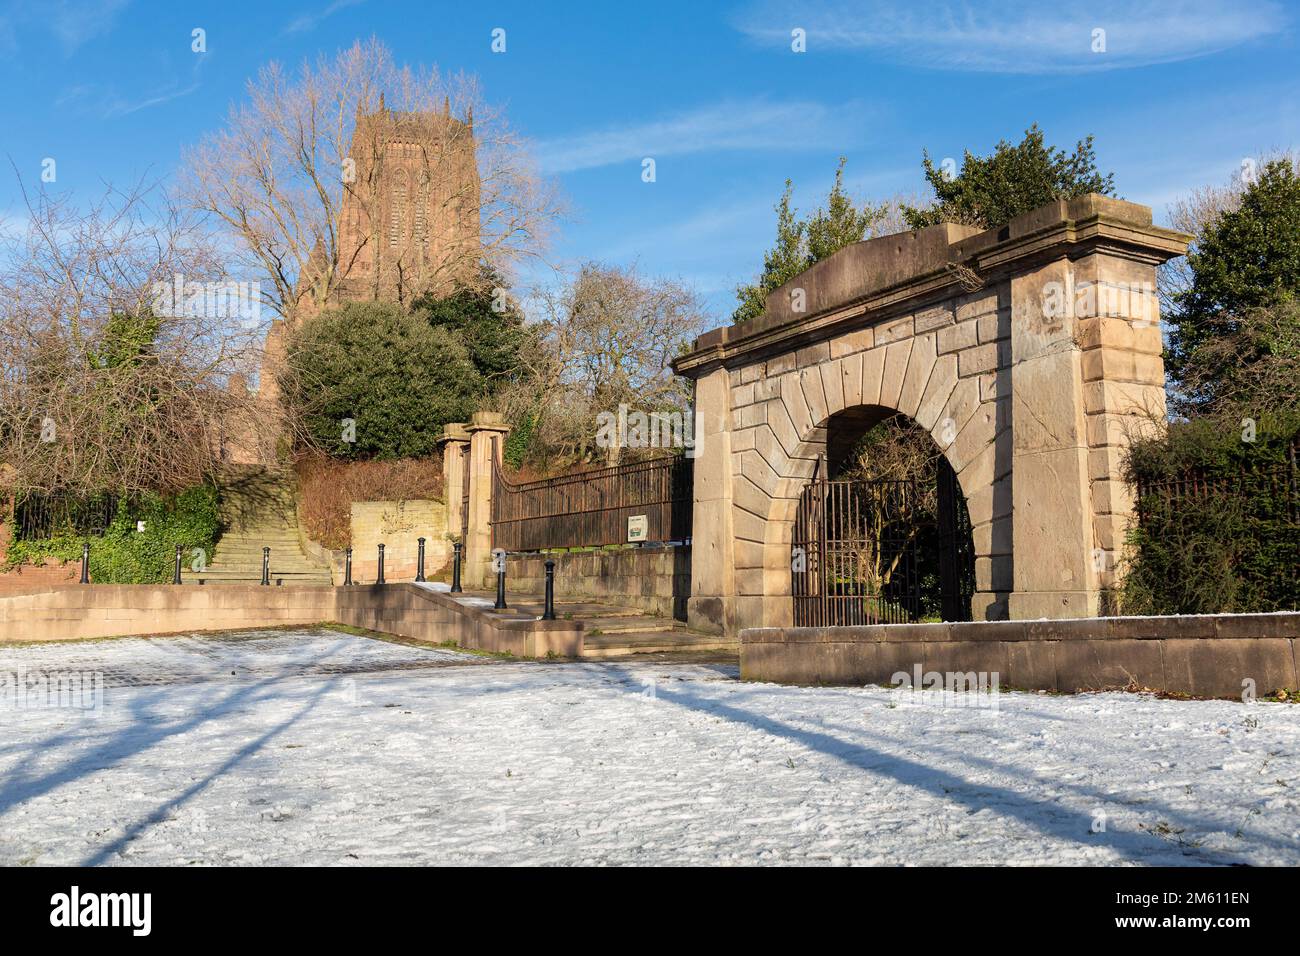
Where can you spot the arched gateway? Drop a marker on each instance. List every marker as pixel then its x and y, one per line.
pixel 1031 354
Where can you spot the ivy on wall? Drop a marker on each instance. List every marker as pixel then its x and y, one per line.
pixel 123 555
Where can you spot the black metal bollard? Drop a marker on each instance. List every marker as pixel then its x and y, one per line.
pixel 266 567
pixel 500 559
pixel 347 569
pixel 548 611
pixel 380 578
pixel 176 574
pixel 85 563
pixel 419 570
pixel 455 568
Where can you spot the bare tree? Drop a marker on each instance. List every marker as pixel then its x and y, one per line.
pixel 123 345
pixel 892 218
pixel 295 177
pixel 609 337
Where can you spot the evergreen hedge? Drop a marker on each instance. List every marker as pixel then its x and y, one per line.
pixel 1219 519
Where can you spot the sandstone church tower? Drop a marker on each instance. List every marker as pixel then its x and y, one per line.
pixel 408 224
pixel 409 219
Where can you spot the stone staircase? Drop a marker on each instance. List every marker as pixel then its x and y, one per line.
pixel 257 510
pixel 615 631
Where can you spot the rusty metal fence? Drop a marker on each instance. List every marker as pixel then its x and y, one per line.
pixel 591 508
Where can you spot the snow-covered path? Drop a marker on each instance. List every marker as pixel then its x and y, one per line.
pixel 324 748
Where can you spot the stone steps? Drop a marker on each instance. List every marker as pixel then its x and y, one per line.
pixel 258 509
pixel 614 631
pixel 631 623
pixel 656 642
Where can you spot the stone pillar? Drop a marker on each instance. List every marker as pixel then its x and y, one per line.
pixel 455 443
pixel 711 606
pixel 1118 314
pixel 1051 508
pixel 487 438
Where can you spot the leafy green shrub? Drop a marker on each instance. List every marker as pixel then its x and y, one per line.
pixel 1247 260
pixel 519 440
pixel 489 325
pixel 992 190
pixel 1218 530
pixel 394 375
pixel 122 555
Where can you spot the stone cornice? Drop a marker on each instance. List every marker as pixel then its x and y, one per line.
pixel 1064 229
pixel 487 422
pixel 454 431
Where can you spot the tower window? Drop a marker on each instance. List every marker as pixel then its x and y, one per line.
pixel 397 216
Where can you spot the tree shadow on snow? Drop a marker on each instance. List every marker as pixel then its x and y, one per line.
pixel 1046 816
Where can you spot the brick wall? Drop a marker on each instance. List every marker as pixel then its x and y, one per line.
pixel 27 577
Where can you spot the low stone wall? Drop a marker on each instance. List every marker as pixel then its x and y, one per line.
pixel 408 610
pixel 1204 656
pixel 398 525
pixel 653 578
pixel 72 612
pixel 79 612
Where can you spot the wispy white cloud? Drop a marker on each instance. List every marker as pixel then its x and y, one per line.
pixel 1021 36
pixel 73 22
pixel 307 21
pixel 732 225
pixel 76 22
pixel 730 125
pixel 108 103
pixel 120 107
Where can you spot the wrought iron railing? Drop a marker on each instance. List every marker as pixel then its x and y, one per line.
pixel 871 552
pixel 591 508
pixel 1279 484
pixel 464 492
pixel 39 517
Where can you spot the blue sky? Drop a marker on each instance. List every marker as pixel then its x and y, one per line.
pixel 1183 92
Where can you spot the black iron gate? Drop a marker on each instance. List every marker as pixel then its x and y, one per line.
pixel 956 548
pixel 874 552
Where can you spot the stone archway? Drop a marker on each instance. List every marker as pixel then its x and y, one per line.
pixel 1031 389
pixel 776 456
pixel 891 545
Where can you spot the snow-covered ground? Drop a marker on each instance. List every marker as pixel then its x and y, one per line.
pixel 317 747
